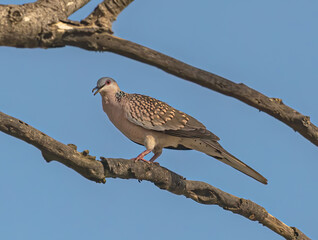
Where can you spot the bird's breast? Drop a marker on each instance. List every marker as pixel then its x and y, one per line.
pixel 117 116
pixel 138 134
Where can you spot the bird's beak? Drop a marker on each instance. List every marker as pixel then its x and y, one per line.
pixel 95 89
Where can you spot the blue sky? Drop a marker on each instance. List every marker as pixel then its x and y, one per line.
pixel 271 46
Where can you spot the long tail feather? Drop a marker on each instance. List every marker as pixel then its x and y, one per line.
pixel 214 149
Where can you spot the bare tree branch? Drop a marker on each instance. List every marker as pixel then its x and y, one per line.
pixel 163 178
pixel 273 106
pixel 44 24
pixel 50 148
pixel 106 13
pixel 28 25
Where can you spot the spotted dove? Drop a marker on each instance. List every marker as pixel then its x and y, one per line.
pixel 156 125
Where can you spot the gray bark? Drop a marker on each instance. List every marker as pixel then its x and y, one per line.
pixel 45 24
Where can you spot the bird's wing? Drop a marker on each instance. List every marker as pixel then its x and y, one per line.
pixel 156 115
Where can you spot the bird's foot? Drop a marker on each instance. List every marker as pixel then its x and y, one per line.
pixel 140 159
pixel 144 160
pixel 141 156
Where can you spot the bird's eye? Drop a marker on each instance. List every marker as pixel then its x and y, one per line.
pixel 108 82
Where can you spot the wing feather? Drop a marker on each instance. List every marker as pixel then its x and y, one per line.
pixel 156 115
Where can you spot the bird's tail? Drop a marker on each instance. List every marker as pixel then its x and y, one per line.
pixel 214 149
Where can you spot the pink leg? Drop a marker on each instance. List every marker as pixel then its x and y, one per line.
pixel 154 157
pixel 141 156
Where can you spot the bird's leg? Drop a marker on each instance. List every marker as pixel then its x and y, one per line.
pixel 154 157
pixel 149 143
pixel 142 155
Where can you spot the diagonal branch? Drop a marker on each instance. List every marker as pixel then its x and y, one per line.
pixel 272 106
pixel 163 178
pixel 106 13
pixel 44 24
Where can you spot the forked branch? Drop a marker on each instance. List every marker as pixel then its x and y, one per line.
pixel 45 24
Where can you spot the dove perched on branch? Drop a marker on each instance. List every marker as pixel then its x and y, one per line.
pixel 156 125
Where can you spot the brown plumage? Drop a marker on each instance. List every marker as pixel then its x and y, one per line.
pixel 156 125
pixel 154 114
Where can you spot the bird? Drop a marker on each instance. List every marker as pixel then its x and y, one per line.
pixel 156 125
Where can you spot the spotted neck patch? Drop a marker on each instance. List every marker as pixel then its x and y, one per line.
pixel 119 95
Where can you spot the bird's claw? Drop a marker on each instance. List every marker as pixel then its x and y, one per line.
pixel 140 159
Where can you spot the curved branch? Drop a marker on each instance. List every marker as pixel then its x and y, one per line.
pixel 36 25
pixel 163 178
pixel 45 24
pixel 272 106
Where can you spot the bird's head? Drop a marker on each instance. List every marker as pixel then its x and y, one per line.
pixel 106 86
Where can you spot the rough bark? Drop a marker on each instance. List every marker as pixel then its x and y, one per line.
pixel 29 25
pixel 163 178
pixel 44 24
pixel 106 13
